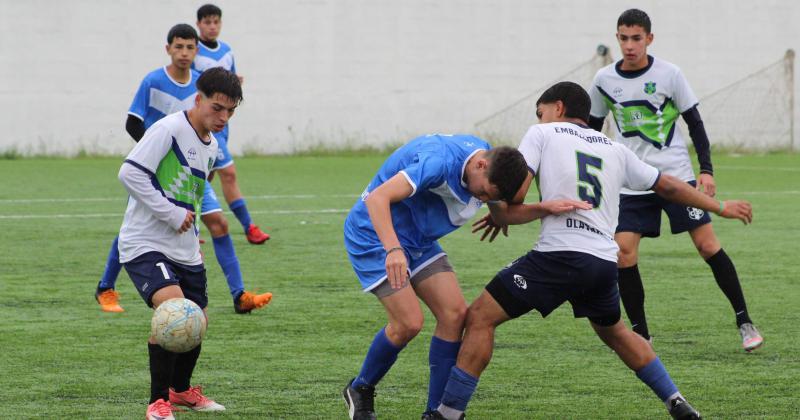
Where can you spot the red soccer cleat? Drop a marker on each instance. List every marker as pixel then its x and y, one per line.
pixel 255 235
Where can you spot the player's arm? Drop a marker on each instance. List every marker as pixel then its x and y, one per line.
pixel 599 110
pixel 378 204
pixel 697 132
pixel 135 127
pixel 675 190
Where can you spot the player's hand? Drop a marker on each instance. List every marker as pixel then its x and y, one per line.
pixel 737 209
pixel 490 227
pixel 188 221
pixel 396 268
pixel 705 183
pixel 564 206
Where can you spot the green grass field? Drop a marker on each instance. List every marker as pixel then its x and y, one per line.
pixel 63 358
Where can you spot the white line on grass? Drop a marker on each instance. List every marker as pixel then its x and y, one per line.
pixel 118 199
pixel 120 214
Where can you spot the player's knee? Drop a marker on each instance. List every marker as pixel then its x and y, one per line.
pixel 228 175
pixel 407 329
pixel 217 224
pixel 477 318
pixel 453 318
pixel 707 248
pixel 627 257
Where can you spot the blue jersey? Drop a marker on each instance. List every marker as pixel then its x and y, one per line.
pixel 206 58
pixel 159 95
pixel 440 202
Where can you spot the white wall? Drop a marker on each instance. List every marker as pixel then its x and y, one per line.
pixel 337 72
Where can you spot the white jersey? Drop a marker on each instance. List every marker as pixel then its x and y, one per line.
pixel 646 105
pixel 176 163
pixel 575 162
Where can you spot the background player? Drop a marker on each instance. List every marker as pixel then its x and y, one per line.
pixel 165 175
pixel 575 257
pixel 164 91
pixel 645 95
pixel 215 53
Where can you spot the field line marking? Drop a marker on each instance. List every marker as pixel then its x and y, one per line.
pixel 121 214
pixel 118 199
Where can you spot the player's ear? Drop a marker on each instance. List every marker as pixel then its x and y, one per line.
pixel 648 39
pixel 166 48
pixel 560 109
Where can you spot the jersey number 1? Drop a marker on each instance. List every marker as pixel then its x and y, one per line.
pixel 589 188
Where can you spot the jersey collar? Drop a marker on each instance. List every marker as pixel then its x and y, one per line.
pixel 632 74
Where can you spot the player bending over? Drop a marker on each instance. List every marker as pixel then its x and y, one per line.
pixel 575 257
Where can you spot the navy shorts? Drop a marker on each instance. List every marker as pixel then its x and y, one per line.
pixel 545 280
pixel 642 214
pixel 152 271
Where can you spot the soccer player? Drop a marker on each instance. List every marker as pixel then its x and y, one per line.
pixel 162 92
pixel 165 175
pixel 215 53
pixel 423 191
pixel 575 257
pixel 646 95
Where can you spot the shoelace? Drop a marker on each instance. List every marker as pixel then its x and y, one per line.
pixel 163 408
pixel 108 296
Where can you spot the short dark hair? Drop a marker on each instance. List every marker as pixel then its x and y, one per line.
pixel 634 17
pixel 208 10
pixel 576 101
pixel 182 31
pixel 507 170
pixel 218 80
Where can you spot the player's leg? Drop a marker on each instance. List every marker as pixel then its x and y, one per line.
pixel 436 284
pixel 211 215
pixel 106 295
pixel 233 196
pixel 698 224
pixel 639 215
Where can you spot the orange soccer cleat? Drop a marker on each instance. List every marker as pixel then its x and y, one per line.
pixel 248 301
pixel 108 300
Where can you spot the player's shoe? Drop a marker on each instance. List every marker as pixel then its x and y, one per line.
pixel 255 235
pixel 436 415
pixel 108 300
pixel 248 301
pixel 751 338
pixel 194 399
pixel 160 410
pixel 681 410
pixel 360 401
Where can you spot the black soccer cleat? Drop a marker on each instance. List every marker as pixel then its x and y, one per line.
pixel 681 410
pixel 436 415
pixel 360 401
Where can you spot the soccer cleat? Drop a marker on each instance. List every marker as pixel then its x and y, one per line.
pixel 160 410
pixel 360 401
pixel 108 300
pixel 751 338
pixel 194 399
pixel 436 415
pixel 255 235
pixel 681 410
pixel 247 301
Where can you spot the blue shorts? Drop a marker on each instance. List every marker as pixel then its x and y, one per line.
pixel 210 202
pixel 152 271
pixel 642 214
pixel 369 260
pixel 224 158
pixel 545 280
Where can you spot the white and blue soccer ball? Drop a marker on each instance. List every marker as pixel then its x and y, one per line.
pixel 178 325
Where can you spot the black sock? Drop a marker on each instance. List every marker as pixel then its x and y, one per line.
pixel 632 293
pixel 728 281
pixel 162 363
pixel 184 366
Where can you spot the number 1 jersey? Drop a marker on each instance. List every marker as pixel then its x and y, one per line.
pixel 574 162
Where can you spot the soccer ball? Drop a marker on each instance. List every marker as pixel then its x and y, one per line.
pixel 178 325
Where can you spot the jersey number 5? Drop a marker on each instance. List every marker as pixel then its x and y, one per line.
pixel 589 188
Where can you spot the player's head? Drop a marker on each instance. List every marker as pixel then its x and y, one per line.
pixel 633 35
pixel 209 21
pixel 498 174
pixel 563 101
pixel 182 45
pixel 219 92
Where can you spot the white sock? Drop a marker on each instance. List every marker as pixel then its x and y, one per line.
pixel 668 401
pixel 449 413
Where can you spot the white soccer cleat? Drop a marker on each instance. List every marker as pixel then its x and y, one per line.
pixel 751 338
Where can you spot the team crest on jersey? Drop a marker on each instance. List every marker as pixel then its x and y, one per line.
pixel 695 213
pixel 192 154
pixel 650 88
pixel 617 92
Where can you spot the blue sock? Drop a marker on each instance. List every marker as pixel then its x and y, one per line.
pixel 113 267
pixel 239 208
pixel 226 256
pixel 380 358
pixel 657 378
pixel 441 358
pixel 457 392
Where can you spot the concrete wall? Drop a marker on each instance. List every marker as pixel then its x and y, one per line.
pixel 348 72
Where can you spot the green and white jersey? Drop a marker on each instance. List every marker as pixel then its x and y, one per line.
pixel 165 175
pixel 646 105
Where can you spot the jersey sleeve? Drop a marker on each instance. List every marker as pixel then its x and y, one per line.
pixel 683 95
pixel 427 171
pixel 233 64
pixel 599 107
pixel 531 147
pixel 639 176
pixel 151 149
pixel 141 100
